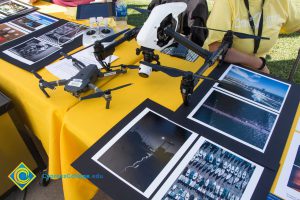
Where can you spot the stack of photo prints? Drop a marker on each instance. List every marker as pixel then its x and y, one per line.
pixel 288 184
pixel 246 109
pixel 43 43
pixel 154 153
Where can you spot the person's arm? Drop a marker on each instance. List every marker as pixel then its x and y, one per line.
pixel 293 21
pixel 235 56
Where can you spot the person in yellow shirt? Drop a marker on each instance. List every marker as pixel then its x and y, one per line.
pixel 270 17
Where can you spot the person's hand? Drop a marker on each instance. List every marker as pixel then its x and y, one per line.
pixel 33 1
pixel 265 70
pixel 29 1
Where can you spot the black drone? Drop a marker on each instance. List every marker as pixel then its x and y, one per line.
pixel 87 76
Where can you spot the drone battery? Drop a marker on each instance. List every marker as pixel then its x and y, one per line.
pixel 86 11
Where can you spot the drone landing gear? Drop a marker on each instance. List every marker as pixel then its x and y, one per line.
pixel 148 54
pixel 107 97
pixel 187 88
pixel 105 94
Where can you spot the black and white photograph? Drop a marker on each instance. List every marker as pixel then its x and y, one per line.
pixel 210 171
pixel 144 151
pixel 235 118
pixel 33 21
pixel 9 8
pixel 65 33
pixel 255 87
pixel 32 51
pixel 288 185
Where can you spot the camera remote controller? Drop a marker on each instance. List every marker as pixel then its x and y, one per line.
pixel 91 35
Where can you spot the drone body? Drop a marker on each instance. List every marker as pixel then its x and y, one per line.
pixel 150 35
pixel 83 81
pixel 80 82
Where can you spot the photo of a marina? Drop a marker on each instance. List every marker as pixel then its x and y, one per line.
pixel 236 119
pixel 144 150
pixel 255 87
pixel 212 173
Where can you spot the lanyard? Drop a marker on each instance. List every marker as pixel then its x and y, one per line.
pixel 251 22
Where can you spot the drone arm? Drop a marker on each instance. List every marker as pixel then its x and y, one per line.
pixel 107 95
pixel 112 73
pixel 54 84
pixel 129 35
pixel 187 43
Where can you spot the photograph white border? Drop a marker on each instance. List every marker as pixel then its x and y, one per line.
pixel 70 40
pixel 282 190
pixel 24 60
pixel 38 28
pixel 247 99
pixel 174 176
pixel 157 181
pixel 298 126
pixel 190 116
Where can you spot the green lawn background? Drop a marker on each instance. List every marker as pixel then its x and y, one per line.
pixel 281 57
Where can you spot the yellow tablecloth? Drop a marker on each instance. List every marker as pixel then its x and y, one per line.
pixel 67 127
pixel 43 115
pixel 89 120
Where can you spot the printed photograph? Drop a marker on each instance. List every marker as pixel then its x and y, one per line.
pixel 33 21
pixel 212 173
pixel 255 87
pixel 9 33
pixel 32 51
pixel 288 184
pixel 10 8
pixel 64 33
pixel 145 150
pixel 294 180
pixel 236 119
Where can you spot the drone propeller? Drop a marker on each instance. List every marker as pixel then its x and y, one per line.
pixel 102 93
pixel 237 34
pixel 140 10
pixel 114 36
pixel 177 73
pixel 167 70
pixel 110 38
pixel 43 84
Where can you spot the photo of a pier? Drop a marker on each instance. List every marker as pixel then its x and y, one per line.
pixel 144 150
pixel 255 87
pixel 237 119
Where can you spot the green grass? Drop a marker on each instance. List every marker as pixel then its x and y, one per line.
pixel 282 55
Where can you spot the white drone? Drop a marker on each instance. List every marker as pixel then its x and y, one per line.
pixel 152 36
pixel 149 34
